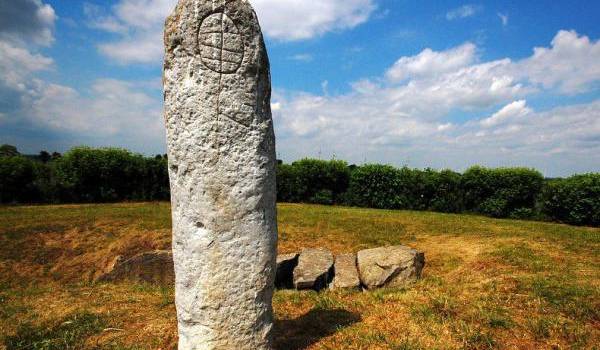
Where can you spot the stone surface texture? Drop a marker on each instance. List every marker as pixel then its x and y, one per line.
pixel 286 263
pixel 152 267
pixel 397 266
pixel 314 270
pixel 346 273
pixel 222 165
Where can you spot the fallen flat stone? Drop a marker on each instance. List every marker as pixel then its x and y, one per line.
pixel 285 270
pixel 346 274
pixel 397 266
pixel 152 267
pixel 314 270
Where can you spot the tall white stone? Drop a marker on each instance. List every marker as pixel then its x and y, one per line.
pixel 222 169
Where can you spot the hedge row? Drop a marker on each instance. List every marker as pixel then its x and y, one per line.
pixel 503 193
pixel 110 175
pixel 84 175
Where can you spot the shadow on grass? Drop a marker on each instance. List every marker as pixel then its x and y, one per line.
pixel 308 329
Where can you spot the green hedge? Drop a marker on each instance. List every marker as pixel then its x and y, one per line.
pixel 313 181
pixel 84 175
pixel 503 192
pixel 20 180
pixel 575 200
pixel 109 175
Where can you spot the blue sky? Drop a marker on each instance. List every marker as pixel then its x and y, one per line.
pixel 444 84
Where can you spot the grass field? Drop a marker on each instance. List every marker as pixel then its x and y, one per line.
pixel 487 284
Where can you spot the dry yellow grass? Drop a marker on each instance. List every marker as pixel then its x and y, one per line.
pixel 488 284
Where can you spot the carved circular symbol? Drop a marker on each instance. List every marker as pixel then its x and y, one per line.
pixel 221 44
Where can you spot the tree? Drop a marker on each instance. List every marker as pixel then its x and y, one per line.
pixel 44 157
pixel 8 151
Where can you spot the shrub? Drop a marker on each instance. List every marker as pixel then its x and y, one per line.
pixel 8 151
pixel 309 180
pixel 376 186
pixel 439 191
pixel 108 175
pixel 575 200
pixel 100 175
pixel 500 192
pixel 155 182
pixel 18 177
pixel 288 185
pixel 386 187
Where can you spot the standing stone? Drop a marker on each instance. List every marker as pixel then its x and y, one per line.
pixel 222 169
pixel 314 270
pixel 346 274
pixel 397 266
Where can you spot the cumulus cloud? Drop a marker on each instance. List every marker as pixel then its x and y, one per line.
pixel 139 23
pixel 23 26
pixel 114 110
pixel 405 116
pixel 17 66
pixel 430 63
pixel 298 19
pixel 27 21
pixel 462 12
pixel 509 112
pixel 571 64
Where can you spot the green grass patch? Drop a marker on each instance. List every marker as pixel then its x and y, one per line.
pixel 481 286
pixel 576 300
pixel 69 333
pixel 523 257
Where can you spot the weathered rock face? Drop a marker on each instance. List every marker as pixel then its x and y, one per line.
pixel 222 169
pixel 314 270
pixel 286 263
pixel 151 267
pixel 346 274
pixel 390 266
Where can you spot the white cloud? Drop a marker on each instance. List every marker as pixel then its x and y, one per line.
pixel 462 12
pixel 97 18
pixel 300 19
pixel 110 113
pixel 304 57
pixel 517 109
pixel 144 48
pixel 503 19
pixel 17 66
pixel 571 64
pixel 430 63
pixel 27 21
pixel 114 108
pixel 404 117
pixel 114 113
pixel 140 23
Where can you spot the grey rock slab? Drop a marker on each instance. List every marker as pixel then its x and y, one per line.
pixel 286 263
pixel 314 270
pixel 154 267
pixel 222 163
pixel 346 273
pixel 397 266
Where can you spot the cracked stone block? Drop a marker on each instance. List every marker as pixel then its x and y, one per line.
pixel 314 270
pixel 397 266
